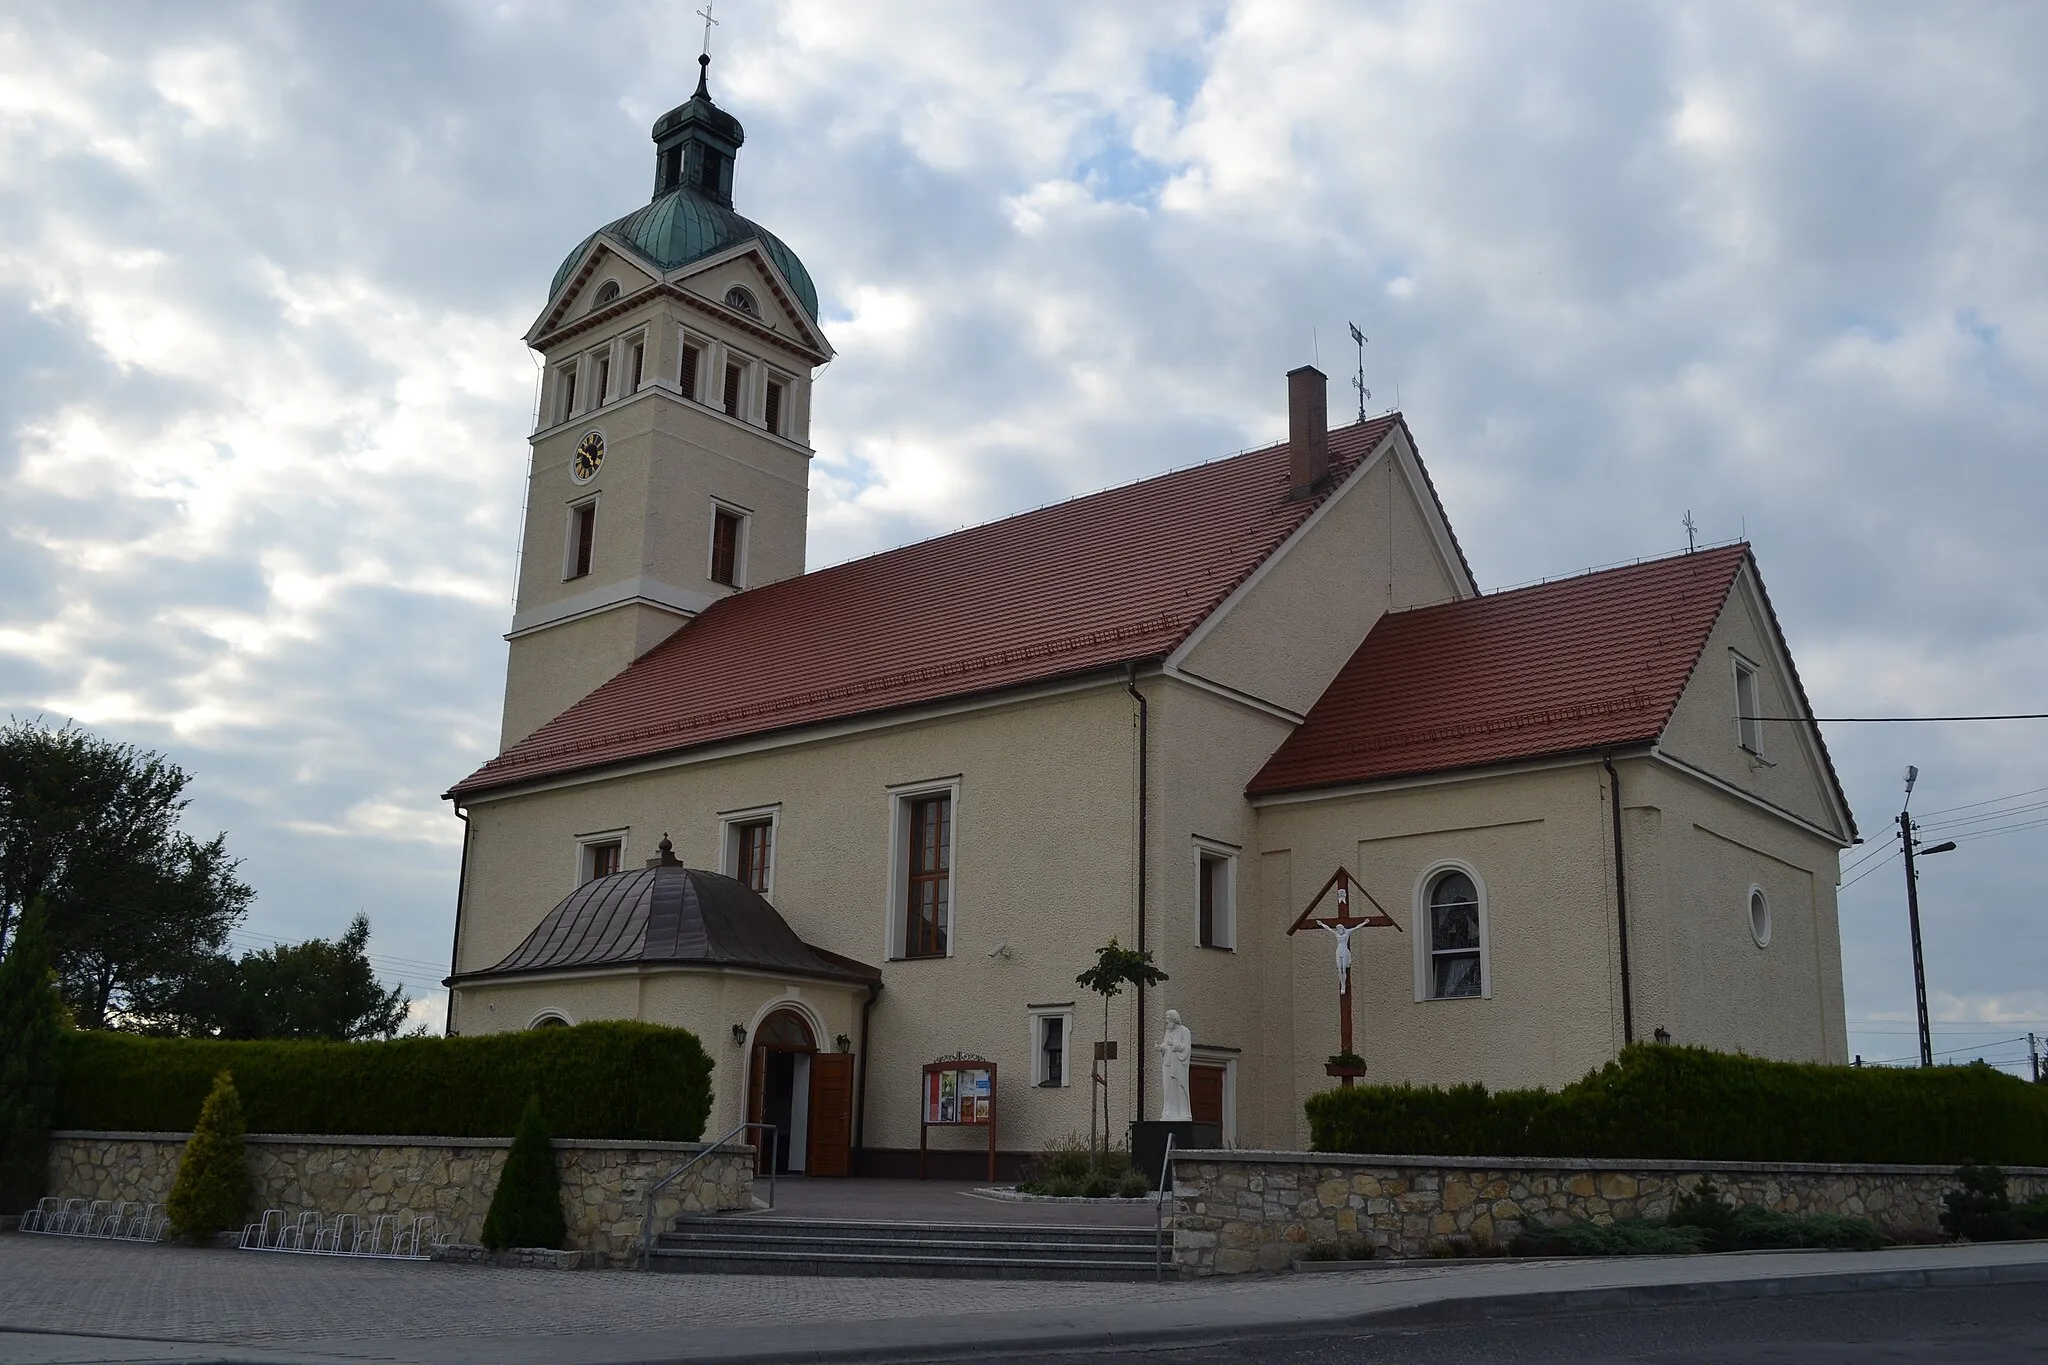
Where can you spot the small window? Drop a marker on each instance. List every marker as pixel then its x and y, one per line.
pixel 602 859
pixel 726 528
pixel 606 292
pixel 1759 917
pixel 1049 1049
pixel 638 357
pixel 1749 728
pixel 567 407
pixel 551 1021
pixel 1215 896
pixel 1454 965
pixel 772 413
pixel 601 375
pixel 738 297
pixel 693 355
pixel 582 538
pixel 927 907
pixel 754 850
pixel 735 374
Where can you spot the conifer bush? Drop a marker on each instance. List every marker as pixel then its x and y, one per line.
pixel 526 1209
pixel 29 1013
pixel 211 1193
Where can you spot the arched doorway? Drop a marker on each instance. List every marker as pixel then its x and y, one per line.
pixel 779 1088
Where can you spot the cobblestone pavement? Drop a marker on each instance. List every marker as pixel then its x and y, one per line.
pixel 180 1293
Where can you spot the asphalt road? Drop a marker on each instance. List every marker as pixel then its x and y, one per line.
pixel 1983 1326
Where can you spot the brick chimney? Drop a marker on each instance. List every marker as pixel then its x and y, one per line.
pixel 1308 430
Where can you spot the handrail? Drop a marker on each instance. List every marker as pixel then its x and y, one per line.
pixel 647 1218
pixel 1159 1213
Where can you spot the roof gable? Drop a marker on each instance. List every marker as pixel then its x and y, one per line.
pixel 1583 663
pixel 1087 584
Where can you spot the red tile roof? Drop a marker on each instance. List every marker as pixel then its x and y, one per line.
pixel 1582 663
pixel 1101 580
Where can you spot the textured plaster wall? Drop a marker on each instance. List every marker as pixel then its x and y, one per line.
pixel 1237 1212
pixel 550 670
pixel 1045 864
pixel 604 1184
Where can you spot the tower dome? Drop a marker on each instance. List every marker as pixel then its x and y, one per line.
pixel 691 215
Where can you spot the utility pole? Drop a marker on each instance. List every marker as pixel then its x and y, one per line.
pixel 2034 1058
pixel 1913 917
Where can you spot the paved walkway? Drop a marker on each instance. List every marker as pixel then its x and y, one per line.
pixel 79 1302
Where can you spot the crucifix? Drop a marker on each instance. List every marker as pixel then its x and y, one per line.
pixel 705 15
pixel 1341 927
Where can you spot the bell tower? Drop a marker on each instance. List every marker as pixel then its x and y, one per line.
pixel 671 445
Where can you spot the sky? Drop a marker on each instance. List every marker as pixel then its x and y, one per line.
pixel 263 404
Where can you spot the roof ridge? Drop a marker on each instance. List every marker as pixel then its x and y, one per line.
pixel 1580 576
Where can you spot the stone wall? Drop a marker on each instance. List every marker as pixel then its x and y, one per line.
pixel 603 1183
pixel 1235 1212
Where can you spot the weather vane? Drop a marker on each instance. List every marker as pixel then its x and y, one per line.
pixel 705 15
pixel 1364 394
pixel 1692 532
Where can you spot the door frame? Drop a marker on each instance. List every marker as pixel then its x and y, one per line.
pixel 757 1075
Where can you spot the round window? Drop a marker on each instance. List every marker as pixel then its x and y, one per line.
pixel 737 297
pixel 606 292
pixel 1759 917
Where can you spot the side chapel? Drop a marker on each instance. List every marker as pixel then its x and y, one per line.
pixel 845 823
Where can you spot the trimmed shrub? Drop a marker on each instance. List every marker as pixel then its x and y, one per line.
pixel 1691 1103
pixel 1070 1169
pixel 28 1061
pixel 602 1080
pixel 211 1193
pixel 526 1209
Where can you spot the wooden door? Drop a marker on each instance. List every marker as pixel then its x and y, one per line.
pixel 831 1121
pixel 1205 1094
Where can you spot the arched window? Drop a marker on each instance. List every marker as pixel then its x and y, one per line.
pixel 1759 917
pixel 550 1021
pixel 784 1029
pixel 606 292
pixel 738 297
pixel 1455 968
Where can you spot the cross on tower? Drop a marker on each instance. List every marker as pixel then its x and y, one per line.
pixel 1364 394
pixel 705 15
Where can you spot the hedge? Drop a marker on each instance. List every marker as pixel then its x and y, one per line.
pixel 603 1080
pixel 1690 1103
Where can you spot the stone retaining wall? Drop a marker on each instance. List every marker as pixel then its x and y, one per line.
pixel 1236 1212
pixel 603 1183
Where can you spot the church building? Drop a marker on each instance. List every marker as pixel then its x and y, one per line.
pixel 848 824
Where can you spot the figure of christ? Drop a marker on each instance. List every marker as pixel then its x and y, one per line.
pixel 1343 936
pixel 1176 1048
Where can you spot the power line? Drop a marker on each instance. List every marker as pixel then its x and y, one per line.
pixel 1962 820
pixel 1889 846
pixel 1974 835
pixel 1952 1052
pixel 1892 720
pixel 1988 801
pixel 1874 867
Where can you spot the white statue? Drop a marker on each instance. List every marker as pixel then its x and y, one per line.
pixel 1343 937
pixel 1176 1046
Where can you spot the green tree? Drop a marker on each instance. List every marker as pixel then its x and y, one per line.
pixel 211 1193
pixel 90 827
pixel 316 989
pixel 526 1209
pixel 29 1021
pixel 1115 967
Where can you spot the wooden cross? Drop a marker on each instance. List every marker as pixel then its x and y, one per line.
pixel 1343 925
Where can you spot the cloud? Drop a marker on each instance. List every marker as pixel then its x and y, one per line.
pixel 262 401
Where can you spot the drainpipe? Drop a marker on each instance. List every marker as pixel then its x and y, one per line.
pixel 455 946
pixel 1628 1019
pixel 1144 827
pixel 860 1085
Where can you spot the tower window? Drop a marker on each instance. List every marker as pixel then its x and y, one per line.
pixel 639 356
pixel 606 292
pixel 568 389
pixel 1749 728
pixel 772 414
pixel 1215 911
pixel 740 298
pixel 734 374
pixel 582 538
pixel 726 528
pixel 693 356
pixel 602 374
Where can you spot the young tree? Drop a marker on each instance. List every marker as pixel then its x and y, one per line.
pixel 526 1208
pixel 91 828
pixel 1115 967
pixel 211 1192
pixel 28 1061
pixel 316 989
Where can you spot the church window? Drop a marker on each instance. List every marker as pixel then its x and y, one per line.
pixel 728 545
pixel 638 364
pixel 1749 729
pixel 601 377
pixel 693 357
pixel 772 411
pixel 566 386
pixel 1215 897
pixel 606 292
pixel 927 907
pixel 735 375
pixel 756 846
pixel 582 538
pixel 601 856
pixel 1759 917
pixel 740 298
pixel 1050 1029
pixel 549 1021
pixel 1455 935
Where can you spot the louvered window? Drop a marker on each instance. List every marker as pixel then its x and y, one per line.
pixel 639 365
pixel 604 379
pixel 772 417
pixel 734 373
pixel 691 357
pixel 725 547
pixel 582 538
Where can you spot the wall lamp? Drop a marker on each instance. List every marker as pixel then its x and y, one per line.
pixel 739 1034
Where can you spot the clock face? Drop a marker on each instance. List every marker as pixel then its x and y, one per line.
pixel 589 455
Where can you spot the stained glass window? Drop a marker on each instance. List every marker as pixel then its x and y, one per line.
pixel 1454 967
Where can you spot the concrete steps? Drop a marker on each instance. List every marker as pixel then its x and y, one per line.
pixel 745 1245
